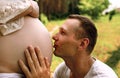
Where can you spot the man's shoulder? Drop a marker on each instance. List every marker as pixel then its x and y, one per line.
pixel 100 69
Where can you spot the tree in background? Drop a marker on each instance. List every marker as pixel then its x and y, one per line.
pixel 62 8
pixel 57 8
pixel 93 8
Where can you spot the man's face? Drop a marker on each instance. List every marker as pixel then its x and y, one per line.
pixel 65 43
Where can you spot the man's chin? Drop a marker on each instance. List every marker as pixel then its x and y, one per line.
pixel 56 54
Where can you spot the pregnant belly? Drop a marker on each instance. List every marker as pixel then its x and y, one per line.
pixel 12 46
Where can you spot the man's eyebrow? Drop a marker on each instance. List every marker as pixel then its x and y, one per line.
pixel 61 28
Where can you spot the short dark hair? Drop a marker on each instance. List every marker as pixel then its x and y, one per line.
pixel 88 30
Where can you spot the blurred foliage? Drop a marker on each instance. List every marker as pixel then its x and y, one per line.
pixel 62 8
pixel 56 9
pixel 44 19
pixel 93 8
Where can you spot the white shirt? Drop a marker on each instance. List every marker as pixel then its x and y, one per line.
pixel 97 70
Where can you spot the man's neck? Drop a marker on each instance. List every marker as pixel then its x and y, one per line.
pixel 79 66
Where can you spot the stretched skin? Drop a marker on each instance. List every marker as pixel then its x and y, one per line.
pixel 12 46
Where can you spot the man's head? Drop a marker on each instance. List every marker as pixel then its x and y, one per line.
pixel 86 29
pixel 77 33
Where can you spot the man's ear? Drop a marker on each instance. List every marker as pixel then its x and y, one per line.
pixel 83 44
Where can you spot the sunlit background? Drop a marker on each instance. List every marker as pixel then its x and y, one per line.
pixel 105 14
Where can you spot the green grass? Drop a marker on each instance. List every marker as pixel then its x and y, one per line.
pixel 107 48
pixel 108 45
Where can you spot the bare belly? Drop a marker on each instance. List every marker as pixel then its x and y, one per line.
pixel 12 46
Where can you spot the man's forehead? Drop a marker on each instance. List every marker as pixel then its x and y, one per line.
pixel 72 20
pixel 66 28
pixel 70 24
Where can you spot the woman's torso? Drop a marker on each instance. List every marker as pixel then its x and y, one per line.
pixel 12 46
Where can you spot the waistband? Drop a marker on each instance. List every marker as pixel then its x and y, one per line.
pixel 11 75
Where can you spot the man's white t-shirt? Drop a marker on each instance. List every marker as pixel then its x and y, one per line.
pixel 97 70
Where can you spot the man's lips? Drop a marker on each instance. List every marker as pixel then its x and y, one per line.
pixel 55 46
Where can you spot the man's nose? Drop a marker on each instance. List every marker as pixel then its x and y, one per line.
pixel 55 37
